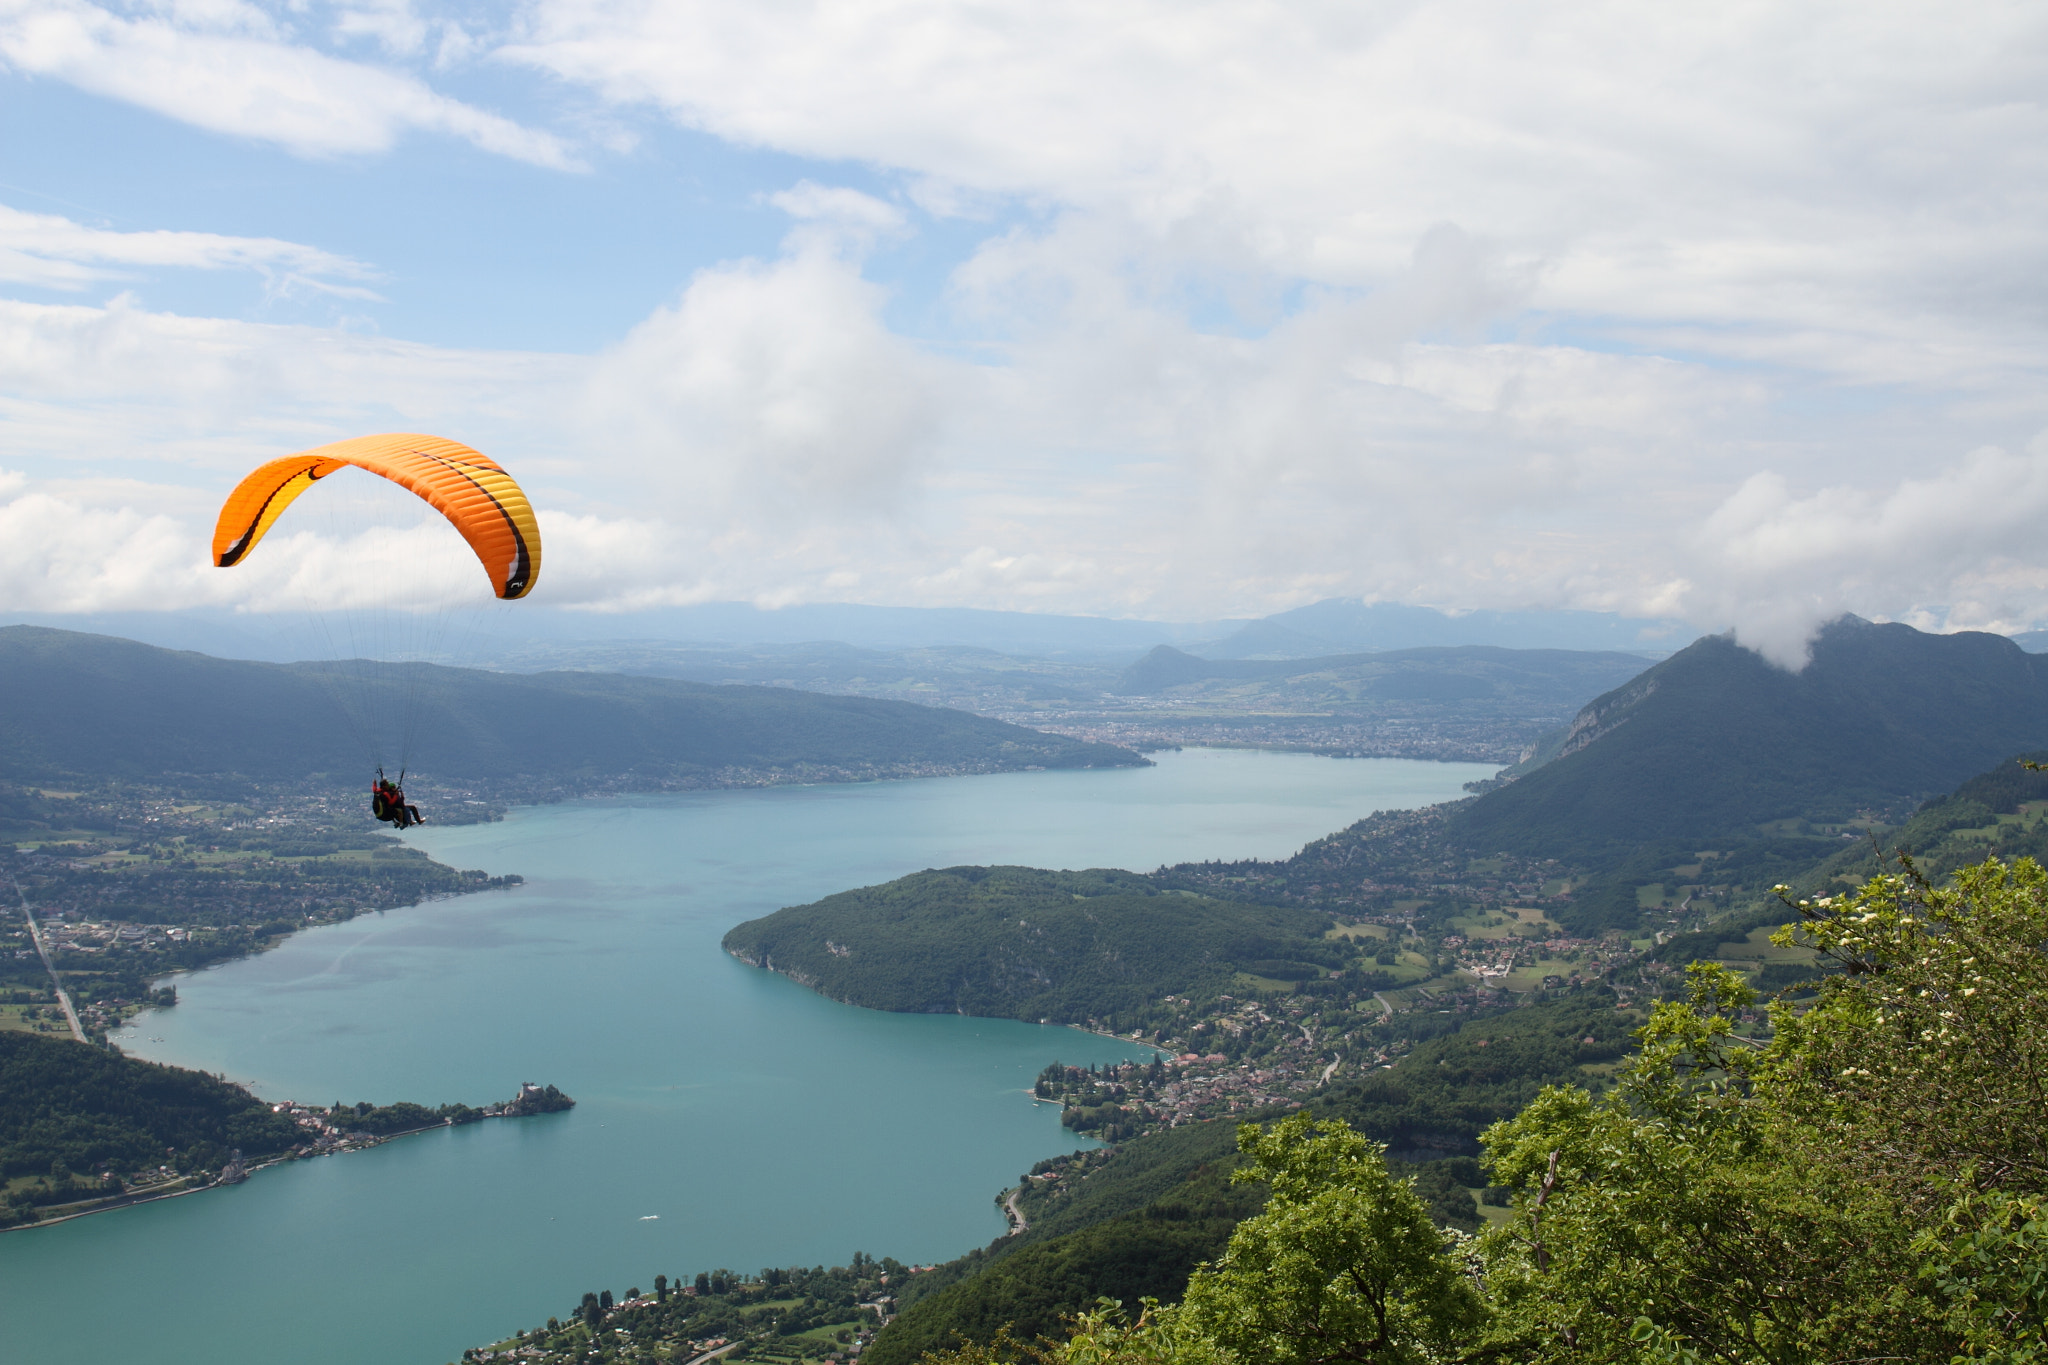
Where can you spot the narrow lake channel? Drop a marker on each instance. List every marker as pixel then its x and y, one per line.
pixel 725 1117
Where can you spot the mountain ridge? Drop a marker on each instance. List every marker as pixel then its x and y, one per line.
pixel 1716 742
pixel 100 706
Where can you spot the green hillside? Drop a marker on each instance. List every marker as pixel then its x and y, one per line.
pixel 2002 813
pixel 93 706
pixel 78 1108
pixel 1019 943
pixel 1715 743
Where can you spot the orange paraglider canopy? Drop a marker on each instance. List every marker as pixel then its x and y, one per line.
pixel 477 496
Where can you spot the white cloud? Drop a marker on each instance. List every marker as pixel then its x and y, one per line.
pixel 395 25
pixel 1778 564
pixel 836 204
pixel 1780 179
pixel 231 69
pixel 64 555
pixel 55 253
pixel 770 388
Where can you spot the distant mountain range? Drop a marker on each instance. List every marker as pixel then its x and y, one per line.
pixel 94 706
pixel 1336 625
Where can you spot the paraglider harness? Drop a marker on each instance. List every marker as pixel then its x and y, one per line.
pixel 387 802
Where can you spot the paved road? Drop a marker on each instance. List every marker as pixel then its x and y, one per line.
pixel 1017 1220
pixel 1328 1072
pixel 35 931
pixel 1385 1003
pixel 717 1354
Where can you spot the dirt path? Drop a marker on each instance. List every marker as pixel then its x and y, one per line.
pixel 35 932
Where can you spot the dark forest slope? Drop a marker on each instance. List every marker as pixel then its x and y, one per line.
pixel 96 706
pixel 89 1107
pixel 1715 742
pixel 1018 943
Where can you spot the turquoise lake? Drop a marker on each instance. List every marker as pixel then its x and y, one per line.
pixel 725 1117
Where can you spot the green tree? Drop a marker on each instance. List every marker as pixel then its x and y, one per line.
pixel 1343 1264
pixel 1865 1184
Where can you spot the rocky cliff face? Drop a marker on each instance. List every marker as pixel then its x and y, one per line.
pixel 1607 714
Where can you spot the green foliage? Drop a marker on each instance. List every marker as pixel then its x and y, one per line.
pixel 1033 1292
pixel 90 1108
pixel 1866 1184
pixel 384 1120
pixel 1990 1261
pixel 1343 1263
pixel 1019 943
pixel 1447 1091
pixel 97 706
pixel 1949 832
pixel 2003 789
pixel 1669 1203
pixel 1929 1047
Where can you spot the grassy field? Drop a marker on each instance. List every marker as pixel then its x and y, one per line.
pixel 1509 922
pixel 1757 950
pixel 1524 979
pixel 14 1019
pixel 811 1345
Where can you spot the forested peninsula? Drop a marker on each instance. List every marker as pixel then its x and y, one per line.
pixel 84 1129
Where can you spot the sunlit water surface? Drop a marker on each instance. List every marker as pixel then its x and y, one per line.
pixel 725 1117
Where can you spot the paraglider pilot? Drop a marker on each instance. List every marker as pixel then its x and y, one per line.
pixel 387 803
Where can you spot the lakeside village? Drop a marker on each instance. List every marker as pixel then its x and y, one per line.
pixel 128 884
pixel 783 1316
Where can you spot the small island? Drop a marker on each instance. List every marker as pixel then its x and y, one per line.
pixel 120 1131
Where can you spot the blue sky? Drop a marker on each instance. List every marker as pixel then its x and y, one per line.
pixel 1185 311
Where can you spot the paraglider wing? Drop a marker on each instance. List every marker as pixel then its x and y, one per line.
pixel 477 496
